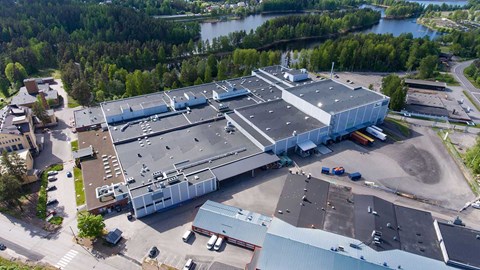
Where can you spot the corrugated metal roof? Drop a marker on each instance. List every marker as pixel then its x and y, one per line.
pixel 244 165
pixel 233 222
pixel 288 247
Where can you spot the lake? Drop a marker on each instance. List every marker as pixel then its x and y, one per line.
pixel 395 27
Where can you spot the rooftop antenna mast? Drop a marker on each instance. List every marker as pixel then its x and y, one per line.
pixel 331 72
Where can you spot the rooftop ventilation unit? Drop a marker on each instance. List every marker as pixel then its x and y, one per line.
pixel 251 116
pixel 130 180
pixel 288 106
pixel 270 111
pixel 288 123
pixel 150 189
pixel 336 100
pixel 331 88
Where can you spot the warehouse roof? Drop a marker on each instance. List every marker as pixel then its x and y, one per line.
pixel 460 244
pixel 288 247
pixel 233 222
pixel 193 148
pixel 278 119
pixel 115 107
pixel 260 138
pixel 300 212
pixel 88 117
pixel 334 97
pixel 423 82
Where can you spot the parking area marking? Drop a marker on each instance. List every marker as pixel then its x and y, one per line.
pixel 65 260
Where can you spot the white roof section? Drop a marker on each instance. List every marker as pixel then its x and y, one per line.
pixel 233 222
pixel 289 247
pixel 307 145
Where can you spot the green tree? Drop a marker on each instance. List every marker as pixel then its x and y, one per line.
pixel 15 73
pixel 427 66
pixel 81 92
pixel 40 112
pixel 14 165
pixel 10 189
pixel 90 226
pixel 222 70
pixel 393 87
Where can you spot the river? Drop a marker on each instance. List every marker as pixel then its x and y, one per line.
pixel 395 27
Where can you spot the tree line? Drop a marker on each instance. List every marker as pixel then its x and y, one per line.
pixel 46 33
pixel 293 5
pixel 473 71
pixel 401 9
pixel 385 53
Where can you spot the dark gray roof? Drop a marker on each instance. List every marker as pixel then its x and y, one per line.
pixel 334 97
pixel 462 244
pixel 298 212
pixel 278 119
pixel 429 83
pixel 88 117
pixel 114 236
pixel 248 128
pixel 244 165
pixel 24 98
pixel 7 115
pixel 186 146
pixel 347 214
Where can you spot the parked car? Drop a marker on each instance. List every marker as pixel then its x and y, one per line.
pixel 50 173
pixel 52 187
pixel 2 246
pixel 188 265
pixel 52 178
pixel 69 174
pixel 153 251
pixel 118 208
pixel 52 201
pixel 53 213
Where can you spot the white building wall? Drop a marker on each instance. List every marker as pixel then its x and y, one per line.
pixel 306 107
pixel 172 195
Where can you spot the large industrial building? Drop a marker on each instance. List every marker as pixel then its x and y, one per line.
pixel 176 145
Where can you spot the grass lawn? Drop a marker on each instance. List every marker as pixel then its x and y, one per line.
pixel 74 145
pixel 79 191
pixel 472 100
pixel 48 72
pixel 471 80
pixel 401 125
pixel 72 103
pixel 17 265
pixel 446 77
pixel 42 194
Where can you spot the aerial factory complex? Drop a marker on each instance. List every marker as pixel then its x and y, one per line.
pixel 176 145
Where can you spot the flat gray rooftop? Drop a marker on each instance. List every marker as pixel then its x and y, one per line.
pixel 278 119
pixel 114 107
pixel 334 97
pixel 185 147
pixel 88 117
pixel 461 244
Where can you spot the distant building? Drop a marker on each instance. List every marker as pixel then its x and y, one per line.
pixel 27 95
pixel 17 129
pixel 426 85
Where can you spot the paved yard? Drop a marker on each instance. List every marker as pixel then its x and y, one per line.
pixel 419 165
pixel 165 230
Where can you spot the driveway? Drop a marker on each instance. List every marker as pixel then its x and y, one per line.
pixel 57 149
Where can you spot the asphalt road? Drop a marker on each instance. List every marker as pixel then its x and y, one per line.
pixel 457 70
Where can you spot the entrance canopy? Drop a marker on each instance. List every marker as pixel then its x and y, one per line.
pixel 244 165
pixel 307 145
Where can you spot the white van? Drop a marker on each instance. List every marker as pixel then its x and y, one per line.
pixel 188 265
pixel 212 241
pixel 187 236
pixel 218 243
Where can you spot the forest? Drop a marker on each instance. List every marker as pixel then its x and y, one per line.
pixel 402 9
pixel 282 5
pixel 473 71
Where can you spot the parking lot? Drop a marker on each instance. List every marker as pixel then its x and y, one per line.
pixel 419 165
pixel 165 230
